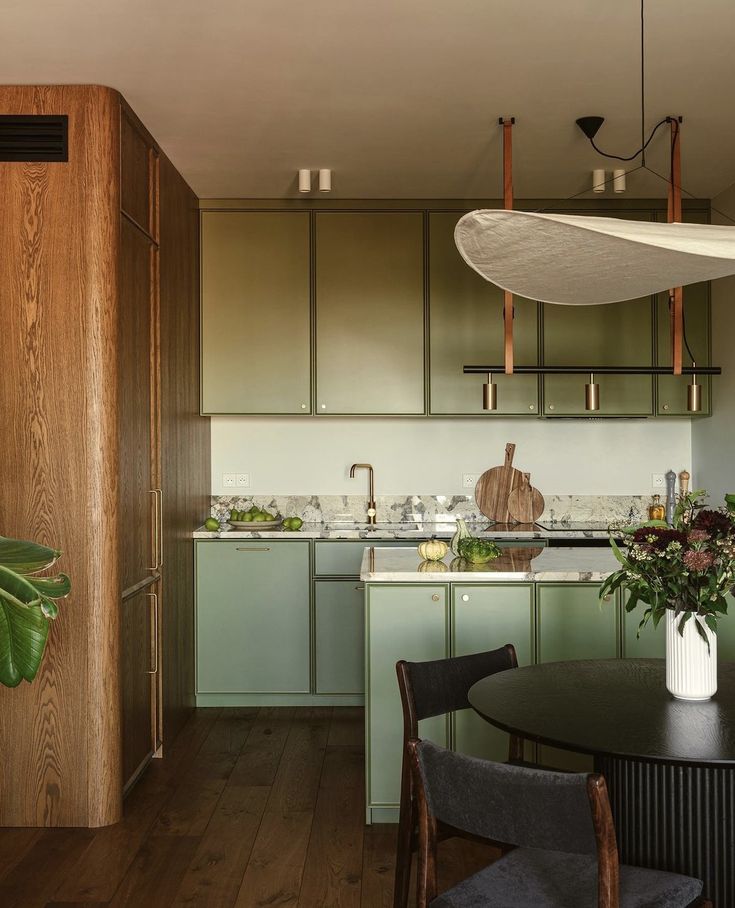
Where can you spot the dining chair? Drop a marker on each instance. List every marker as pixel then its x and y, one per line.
pixel 431 689
pixel 561 823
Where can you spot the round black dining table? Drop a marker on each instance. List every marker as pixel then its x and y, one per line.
pixel 669 764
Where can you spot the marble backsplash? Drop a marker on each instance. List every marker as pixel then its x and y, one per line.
pixel 429 508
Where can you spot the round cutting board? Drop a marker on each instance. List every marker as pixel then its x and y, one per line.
pixel 494 487
pixel 525 504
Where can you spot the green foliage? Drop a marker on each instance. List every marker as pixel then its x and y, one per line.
pixel 688 567
pixel 26 607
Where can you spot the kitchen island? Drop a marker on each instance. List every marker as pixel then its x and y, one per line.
pixel 545 601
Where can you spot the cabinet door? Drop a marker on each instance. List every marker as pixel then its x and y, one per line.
pixel 484 618
pixel 256 319
pixel 649 644
pixel 339 636
pixel 616 334
pixel 136 403
pixel 466 327
pixel 252 617
pixel 403 622
pixel 139 665
pixel 369 312
pixel 672 389
pixel 572 625
pixel 726 634
pixel 138 174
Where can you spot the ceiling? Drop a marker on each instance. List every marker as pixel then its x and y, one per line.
pixel 399 97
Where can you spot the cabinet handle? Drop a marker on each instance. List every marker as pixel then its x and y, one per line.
pixel 607 598
pixel 435 597
pixel 252 548
pixel 154 602
pixel 358 587
pixel 156 532
pixel 160 526
pixel 465 598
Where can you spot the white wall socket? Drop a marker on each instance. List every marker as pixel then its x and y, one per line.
pixel 243 480
pixel 469 480
pixel 658 481
pixel 229 480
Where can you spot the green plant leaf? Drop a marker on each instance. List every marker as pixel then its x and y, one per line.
pixel 52 587
pixel 23 635
pixel 618 554
pixel 17 589
pixel 26 557
pixel 684 618
pixel 711 622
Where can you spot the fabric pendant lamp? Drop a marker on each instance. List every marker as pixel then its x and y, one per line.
pixel 579 260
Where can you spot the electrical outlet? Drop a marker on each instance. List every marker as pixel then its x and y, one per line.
pixel 243 480
pixel 469 480
pixel 658 481
pixel 229 480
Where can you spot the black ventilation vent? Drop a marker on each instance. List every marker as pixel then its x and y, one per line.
pixel 34 138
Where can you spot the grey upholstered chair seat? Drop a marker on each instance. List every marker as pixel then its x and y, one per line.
pixel 529 878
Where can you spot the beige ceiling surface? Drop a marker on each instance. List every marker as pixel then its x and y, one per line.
pixel 399 97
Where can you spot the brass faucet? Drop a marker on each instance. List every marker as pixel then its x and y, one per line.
pixel 371 509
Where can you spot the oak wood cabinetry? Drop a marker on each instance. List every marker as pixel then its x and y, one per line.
pixel 84 419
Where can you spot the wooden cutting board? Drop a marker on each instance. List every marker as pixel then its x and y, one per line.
pixel 494 487
pixel 525 504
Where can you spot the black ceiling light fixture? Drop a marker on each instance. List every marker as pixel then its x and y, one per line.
pixel 590 126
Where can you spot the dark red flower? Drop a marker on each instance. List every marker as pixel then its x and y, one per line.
pixel 715 523
pixel 698 560
pixel 658 537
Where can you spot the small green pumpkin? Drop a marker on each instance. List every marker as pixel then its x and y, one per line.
pixel 433 549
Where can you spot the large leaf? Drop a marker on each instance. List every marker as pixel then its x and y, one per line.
pixel 23 634
pixel 17 589
pixel 52 587
pixel 26 557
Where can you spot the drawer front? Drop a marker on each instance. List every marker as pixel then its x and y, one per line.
pixel 343 559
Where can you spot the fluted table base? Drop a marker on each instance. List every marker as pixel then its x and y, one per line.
pixel 677 818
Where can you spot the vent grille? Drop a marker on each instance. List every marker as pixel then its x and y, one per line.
pixel 34 138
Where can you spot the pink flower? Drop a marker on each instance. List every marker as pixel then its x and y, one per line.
pixel 698 536
pixel 698 561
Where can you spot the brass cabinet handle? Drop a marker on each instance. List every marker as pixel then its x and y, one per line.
pixel 156 533
pixel 160 526
pixel 435 597
pixel 358 587
pixel 607 598
pixel 252 548
pixel 154 602
pixel 465 598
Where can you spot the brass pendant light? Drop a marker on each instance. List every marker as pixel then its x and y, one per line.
pixel 489 394
pixel 592 394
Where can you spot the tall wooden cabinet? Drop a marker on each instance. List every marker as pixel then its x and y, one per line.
pixel 97 255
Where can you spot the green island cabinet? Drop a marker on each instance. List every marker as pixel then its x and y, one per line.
pixel 369 291
pixel 256 319
pixel 466 327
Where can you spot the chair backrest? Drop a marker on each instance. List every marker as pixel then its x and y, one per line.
pixel 441 686
pixel 532 808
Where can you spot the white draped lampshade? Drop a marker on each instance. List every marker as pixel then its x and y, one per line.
pixel 577 260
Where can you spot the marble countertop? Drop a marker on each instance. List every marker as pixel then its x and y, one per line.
pixel 405 530
pixel 396 565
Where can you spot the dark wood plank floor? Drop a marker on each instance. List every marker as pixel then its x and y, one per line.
pixel 249 807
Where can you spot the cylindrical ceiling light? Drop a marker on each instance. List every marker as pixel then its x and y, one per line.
pixel 598 181
pixel 694 394
pixel 325 180
pixel 592 394
pixel 618 180
pixel 489 394
pixel 304 180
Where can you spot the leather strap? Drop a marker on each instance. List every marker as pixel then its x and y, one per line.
pixel 674 216
pixel 508 205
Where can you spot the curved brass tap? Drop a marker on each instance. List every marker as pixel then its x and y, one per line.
pixel 371 508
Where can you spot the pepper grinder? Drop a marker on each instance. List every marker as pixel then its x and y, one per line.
pixel 684 478
pixel 670 496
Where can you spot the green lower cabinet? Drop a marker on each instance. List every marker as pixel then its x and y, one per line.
pixel 574 624
pixel 339 634
pixel 408 622
pixel 484 618
pixel 650 643
pixel 726 634
pixel 252 618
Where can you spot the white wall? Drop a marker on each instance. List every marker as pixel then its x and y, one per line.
pixel 713 440
pixel 429 456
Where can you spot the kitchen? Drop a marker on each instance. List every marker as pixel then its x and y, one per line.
pixel 193 335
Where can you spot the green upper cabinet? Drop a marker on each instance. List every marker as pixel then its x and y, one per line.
pixel 672 389
pixel 256 317
pixel 466 327
pixel 616 334
pixel 369 313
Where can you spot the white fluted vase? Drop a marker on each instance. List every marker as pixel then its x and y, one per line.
pixel 691 669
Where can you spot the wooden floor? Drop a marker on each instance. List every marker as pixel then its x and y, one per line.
pixel 249 807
